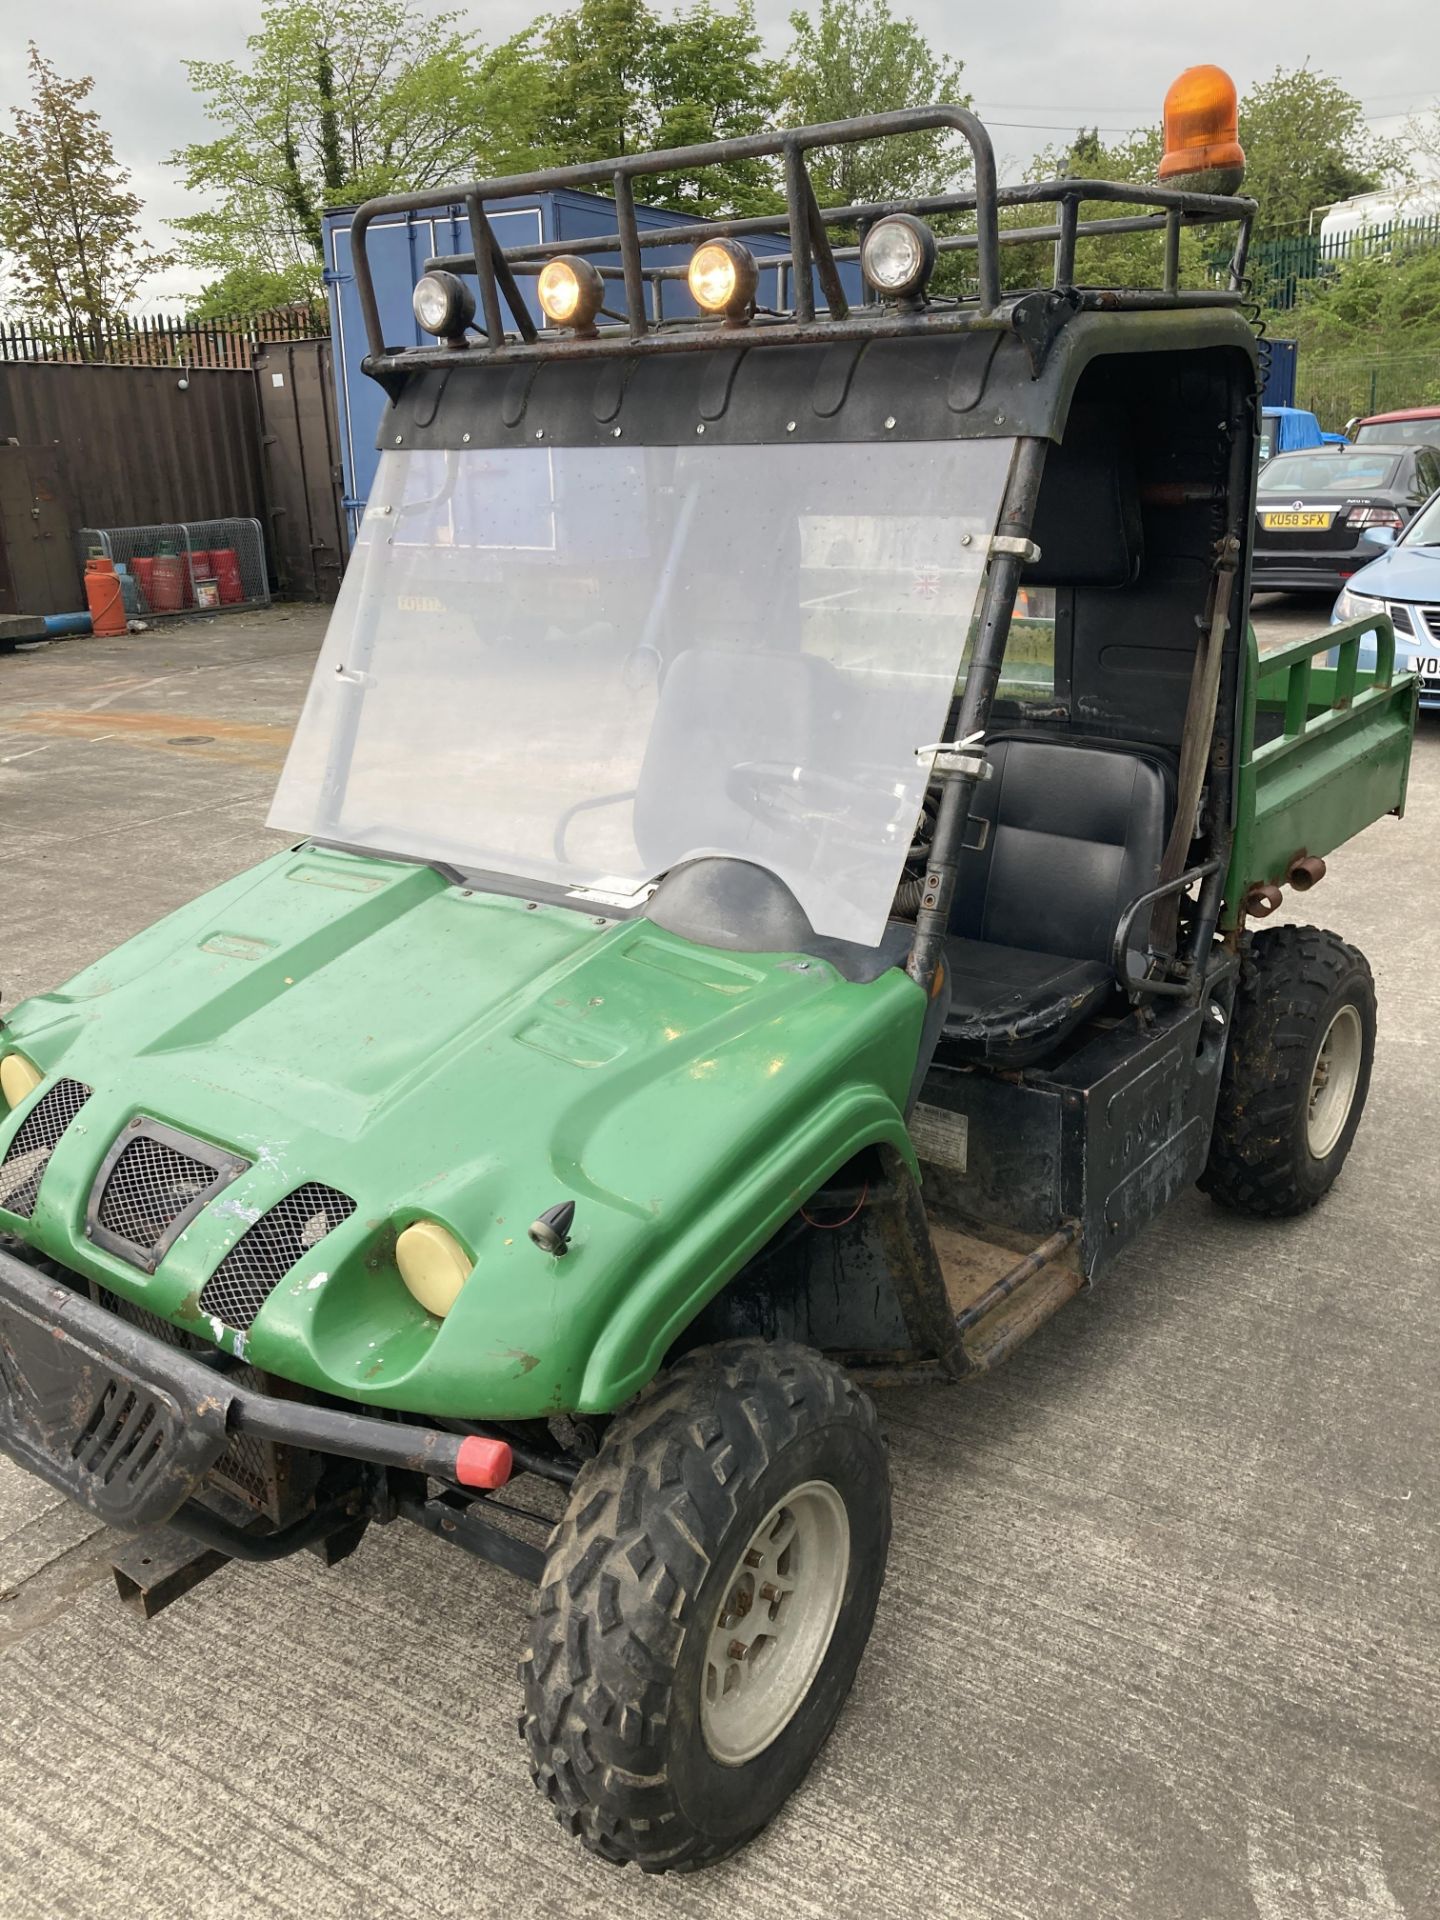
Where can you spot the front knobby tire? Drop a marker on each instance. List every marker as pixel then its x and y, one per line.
pixel 705 1604
pixel 1293 1087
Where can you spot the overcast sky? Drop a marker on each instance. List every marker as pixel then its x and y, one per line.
pixel 1035 79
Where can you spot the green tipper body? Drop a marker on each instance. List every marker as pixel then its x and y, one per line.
pixel 439 1052
pixel 1336 759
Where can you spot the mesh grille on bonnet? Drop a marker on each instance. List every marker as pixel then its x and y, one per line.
pixel 265 1252
pixel 150 1187
pixel 35 1140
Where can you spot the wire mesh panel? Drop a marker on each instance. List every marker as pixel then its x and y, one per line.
pixel 150 1186
pixel 266 1251
pixel 186 567
pixel 36 1139
pixel 152 1183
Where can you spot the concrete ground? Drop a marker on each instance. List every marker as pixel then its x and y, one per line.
pixel 1159 1638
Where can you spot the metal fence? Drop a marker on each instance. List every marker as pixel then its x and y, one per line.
pixel 136 444
pixel 1281 266
pixel 159 340
pixel 1338 390
pixel 196 567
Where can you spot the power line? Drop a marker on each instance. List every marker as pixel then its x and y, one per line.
pixel 1084 121
pixel 1055 106
pixel 1060 106
pixel 1065 126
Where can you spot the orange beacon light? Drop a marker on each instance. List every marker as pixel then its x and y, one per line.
pixel 1202 145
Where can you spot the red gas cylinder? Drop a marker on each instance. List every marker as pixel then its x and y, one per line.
pixel 143 568
pixel 167 583
pixel 104 596
pixel 200 569
pixel 226 564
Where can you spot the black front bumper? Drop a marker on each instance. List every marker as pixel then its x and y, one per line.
pixel 1316 570
pixel 1273 577
pixel 129 1426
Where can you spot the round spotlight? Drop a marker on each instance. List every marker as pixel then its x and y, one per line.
pixel 570 291
pixel 19 1078
pixel 722 278
pixel 897 256
pixel 433 1265
pixel 443 305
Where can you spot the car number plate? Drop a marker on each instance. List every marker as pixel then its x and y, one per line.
pixel 1426 665
pixel 1294 522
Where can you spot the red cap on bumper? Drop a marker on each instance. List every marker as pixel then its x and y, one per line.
pixel 483 1463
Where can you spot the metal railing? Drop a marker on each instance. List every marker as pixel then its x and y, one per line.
pixel 805 224
pixel 157 339
pixel 1315 697
pixel 1284 266
pixel 1339 389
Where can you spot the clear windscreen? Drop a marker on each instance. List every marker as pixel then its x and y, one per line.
pixel 584 666
pixel 1337 472
pixel 1424 529
pixel 1400 433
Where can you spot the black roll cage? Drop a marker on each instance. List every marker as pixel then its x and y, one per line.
pixel 1038 383
pixel 811 255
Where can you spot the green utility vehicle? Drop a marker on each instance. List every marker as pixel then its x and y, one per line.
pixel 711 979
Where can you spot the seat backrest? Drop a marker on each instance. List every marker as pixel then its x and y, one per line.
pixel 1072 834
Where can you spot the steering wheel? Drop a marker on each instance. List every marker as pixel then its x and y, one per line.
pixel 781 793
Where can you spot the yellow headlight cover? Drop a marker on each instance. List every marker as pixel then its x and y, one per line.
pixel 433 1265
pixel 19 1078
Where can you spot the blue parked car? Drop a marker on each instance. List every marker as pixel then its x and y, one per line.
pixel 1291 430
pixel 1405 583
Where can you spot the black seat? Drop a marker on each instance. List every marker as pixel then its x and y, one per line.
pixel 1062 838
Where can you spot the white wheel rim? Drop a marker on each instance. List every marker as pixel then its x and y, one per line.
pixel 775 1623
pixel 1333 1081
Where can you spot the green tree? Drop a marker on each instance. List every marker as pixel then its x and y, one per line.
pixel 711 81
pixel 513 86
pixel 1389 296
pixel 853 57
pixel 613 77
pixel 68 220
pixel 338 100
pixel 1307 145
pixel 1088 157
pixel 1116 260
pixel 598 57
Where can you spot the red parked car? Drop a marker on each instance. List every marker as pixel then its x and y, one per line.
pixel 1405 428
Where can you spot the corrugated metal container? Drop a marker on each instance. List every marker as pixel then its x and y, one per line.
pixel 398 249
pixel 140 444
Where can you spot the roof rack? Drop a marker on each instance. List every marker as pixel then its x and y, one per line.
pixel 810 256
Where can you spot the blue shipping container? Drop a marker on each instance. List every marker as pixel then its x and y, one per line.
pixel 1280 375
pixel 398 249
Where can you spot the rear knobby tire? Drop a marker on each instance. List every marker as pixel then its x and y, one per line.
pixel 1296 1073
pixel 639 1729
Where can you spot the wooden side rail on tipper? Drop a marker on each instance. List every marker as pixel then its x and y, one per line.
pixel 1324 750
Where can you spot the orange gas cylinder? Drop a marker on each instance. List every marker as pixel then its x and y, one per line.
pixel 104 596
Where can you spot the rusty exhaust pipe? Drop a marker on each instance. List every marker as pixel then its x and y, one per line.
pixel 1261 901
pixel 1306 870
